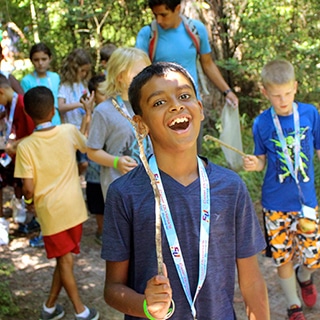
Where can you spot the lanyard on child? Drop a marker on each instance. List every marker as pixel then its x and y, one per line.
pixel 78 91
pixel 172 236
pixel 276 122
pixel 123 106
pixel 9 121
pixel 297 147
pixel 43 125
pixel 35 74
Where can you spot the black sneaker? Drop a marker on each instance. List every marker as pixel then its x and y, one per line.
pixel 57 314
pixel 30 227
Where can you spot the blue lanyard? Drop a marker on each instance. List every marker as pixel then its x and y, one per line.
pixel 9 121
pixel 172 236
pixel 297 145
pixel 125 110
pixel 78 91
pixel 35 74
pixel 123 106
pixel 276 122
pixel 43 125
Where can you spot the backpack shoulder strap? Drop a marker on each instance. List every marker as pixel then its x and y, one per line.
pixel 192 31
pixel 153 39
pixel 188 24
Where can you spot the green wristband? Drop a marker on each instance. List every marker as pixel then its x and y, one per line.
pixel 115 162
pixel 146 312
pixel 29 201
pixel 149 316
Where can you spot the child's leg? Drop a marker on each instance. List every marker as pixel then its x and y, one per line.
pixel 66 278
pixel 288 284
pixel 55 289
pixel 99 220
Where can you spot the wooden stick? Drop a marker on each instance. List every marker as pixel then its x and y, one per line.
pixel 155 189
pixel 208 137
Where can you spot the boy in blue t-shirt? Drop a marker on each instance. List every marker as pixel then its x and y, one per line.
pixel 285 137
pixel 211 212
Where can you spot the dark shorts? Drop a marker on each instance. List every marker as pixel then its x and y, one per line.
pixel 81 157
pixel 6 176
pixel 95 199
pixel 59 244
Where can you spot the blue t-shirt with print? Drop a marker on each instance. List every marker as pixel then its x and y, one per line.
pixel 279 190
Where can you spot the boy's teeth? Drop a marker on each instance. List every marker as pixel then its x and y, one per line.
pixel 179 120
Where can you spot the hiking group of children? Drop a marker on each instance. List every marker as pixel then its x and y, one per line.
pixel 210 231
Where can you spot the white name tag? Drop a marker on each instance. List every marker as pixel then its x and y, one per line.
pixel 309 213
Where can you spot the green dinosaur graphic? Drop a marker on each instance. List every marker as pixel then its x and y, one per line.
pixel 290 141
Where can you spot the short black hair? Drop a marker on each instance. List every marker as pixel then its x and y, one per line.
pixel 94 82
pixel 158 69
pixel 38 102
pixel 39 47
pixel 171 4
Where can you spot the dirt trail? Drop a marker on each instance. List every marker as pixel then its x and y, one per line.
pixel 30 281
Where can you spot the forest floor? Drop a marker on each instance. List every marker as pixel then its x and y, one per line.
pixel 30 277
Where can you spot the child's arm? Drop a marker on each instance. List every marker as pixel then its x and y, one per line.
pixel 124 164
pixel 118 295
pixel 65 107
pixel 254 163
pixel 253 288
pixel 86 120
pixel 318 154
pixel 28 188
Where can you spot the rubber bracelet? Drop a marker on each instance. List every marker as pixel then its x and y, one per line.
pixel 146 312
pixel 28 201
pixel 115 162
pixel 149 316
pixel 225 93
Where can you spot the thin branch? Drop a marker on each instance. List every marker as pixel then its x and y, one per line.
pixel 155 189
pixel 208 137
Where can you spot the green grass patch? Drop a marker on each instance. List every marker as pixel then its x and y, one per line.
pixel 7 305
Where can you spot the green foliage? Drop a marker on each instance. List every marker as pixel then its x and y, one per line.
pixel 7 305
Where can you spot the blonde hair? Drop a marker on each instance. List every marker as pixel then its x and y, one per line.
pixel 277 72
pixel 121 61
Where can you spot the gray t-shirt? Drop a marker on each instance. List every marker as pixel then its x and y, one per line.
pixel 113 133
pixel 129 234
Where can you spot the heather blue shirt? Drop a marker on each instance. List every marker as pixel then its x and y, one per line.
pixel 129 233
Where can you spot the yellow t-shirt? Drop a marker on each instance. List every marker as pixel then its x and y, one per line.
pixel 49 158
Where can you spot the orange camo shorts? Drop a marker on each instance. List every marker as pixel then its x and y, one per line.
pixel 285 240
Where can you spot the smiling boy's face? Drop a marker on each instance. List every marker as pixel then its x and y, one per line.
pixel 171 113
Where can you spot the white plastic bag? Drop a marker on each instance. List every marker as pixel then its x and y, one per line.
pixel 4 231
pixel 231 135
pixel 19 213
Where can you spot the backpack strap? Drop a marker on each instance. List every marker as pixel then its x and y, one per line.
pixel 190 28
pixel 153 39
pixel 192 31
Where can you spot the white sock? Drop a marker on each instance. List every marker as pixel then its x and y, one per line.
pixel 289 288
pixel 304 274
pixel 49 310
pixel 84 314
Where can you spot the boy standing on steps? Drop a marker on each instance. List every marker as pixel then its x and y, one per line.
pixel 285 137
pixel 215 225
pixel 46 161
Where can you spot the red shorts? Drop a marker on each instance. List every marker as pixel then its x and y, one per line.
pixel 61 243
